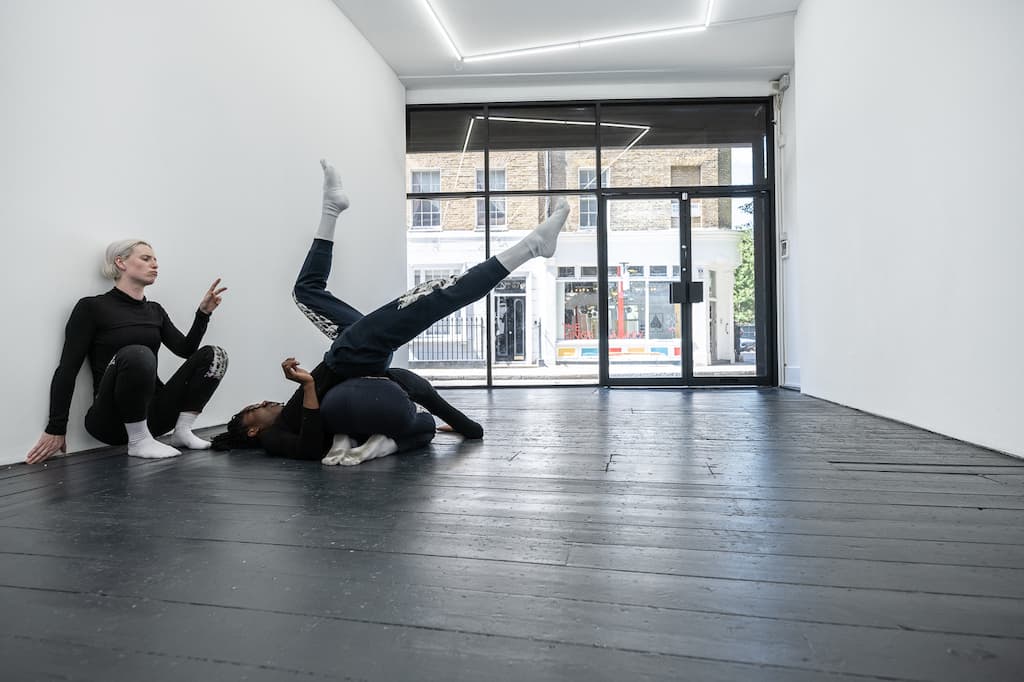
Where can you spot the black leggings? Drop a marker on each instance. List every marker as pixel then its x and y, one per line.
pixel 360 355
pixel 363 344
pixel 365 406
pixel 365 347
pixel 130 391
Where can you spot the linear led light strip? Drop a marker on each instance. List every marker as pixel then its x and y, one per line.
pixel 643 130
pixel 603 40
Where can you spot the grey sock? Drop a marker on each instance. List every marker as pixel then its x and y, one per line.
pixel 541 242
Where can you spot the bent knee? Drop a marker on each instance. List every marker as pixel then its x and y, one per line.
pixel 216 359
pixel 135 356
pixel 306 306
pixel 300 299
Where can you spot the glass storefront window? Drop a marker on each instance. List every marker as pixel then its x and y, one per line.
pixel 580 312
pixel 509 162
pixel 448 145
pixel 453 351
pixel 542 148
pixel 681 145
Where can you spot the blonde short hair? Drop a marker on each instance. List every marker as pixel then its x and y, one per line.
pixel 120 249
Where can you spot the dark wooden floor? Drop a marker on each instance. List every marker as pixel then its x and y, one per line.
pixel 593 535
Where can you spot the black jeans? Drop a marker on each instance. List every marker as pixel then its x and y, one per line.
pixel 130 391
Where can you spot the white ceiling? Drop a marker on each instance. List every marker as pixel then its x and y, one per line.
pixel 747 40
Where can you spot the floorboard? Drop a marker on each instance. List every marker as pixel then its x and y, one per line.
pixel 593 534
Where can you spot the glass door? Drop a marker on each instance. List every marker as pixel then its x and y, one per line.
pixel 686 290
pixel 647 269
pixel 728 322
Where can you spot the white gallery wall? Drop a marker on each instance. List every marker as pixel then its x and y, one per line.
pixel 197 126
pixel 910 231
pixel 788 231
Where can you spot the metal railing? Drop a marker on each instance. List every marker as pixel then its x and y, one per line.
pixel 455 339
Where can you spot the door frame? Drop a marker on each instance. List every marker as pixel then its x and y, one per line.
pixel 684 237
pixel 764 285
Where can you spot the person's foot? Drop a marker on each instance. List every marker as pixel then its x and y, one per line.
pixel 335 199
pixel 335 457
pixel 184 438
pixel 544 238
pixel 340 448
pixel 541 242
pixel 151 448
pixel 375 446
pixel 342 443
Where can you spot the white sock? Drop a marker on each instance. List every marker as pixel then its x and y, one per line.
pixel 339 449
pixel 375 446
pixel 182 435
pixel 142 444
pixel 334 457
pixel 341 445
pixel 541 242
pixel 335 201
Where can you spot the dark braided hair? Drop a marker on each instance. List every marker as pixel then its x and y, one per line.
pixel 235 436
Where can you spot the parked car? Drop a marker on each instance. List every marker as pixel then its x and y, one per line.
pixel 748 337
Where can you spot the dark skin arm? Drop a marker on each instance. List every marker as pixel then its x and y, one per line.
pixel 292 372
pixel 308 443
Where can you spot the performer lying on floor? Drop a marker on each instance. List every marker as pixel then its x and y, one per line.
pixel 355 394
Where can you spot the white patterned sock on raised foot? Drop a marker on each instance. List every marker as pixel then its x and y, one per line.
pixel 335 201
pixel 544 237
pixel 541 242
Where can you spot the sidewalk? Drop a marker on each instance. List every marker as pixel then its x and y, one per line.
pixel 573 373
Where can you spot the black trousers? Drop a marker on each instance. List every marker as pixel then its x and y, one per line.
pixel 358 402
pixel 363 344
pixel 130 391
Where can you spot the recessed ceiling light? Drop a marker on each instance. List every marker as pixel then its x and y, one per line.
pixel 641 131
pixel 443 30
pixel 586 42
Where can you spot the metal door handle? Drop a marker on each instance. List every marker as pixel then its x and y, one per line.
pixel 686 292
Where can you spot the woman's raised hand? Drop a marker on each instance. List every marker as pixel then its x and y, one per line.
pixel 211 299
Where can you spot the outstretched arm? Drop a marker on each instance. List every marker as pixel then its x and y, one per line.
pixel 422 392
pixel 78 336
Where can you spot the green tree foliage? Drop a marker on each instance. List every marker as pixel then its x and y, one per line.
pixel 743 285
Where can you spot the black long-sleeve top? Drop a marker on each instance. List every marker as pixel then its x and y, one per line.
pixel 100 326
pixel 298 432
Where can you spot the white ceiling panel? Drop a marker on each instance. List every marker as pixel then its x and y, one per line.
pixel 746 40
pixel 479 27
